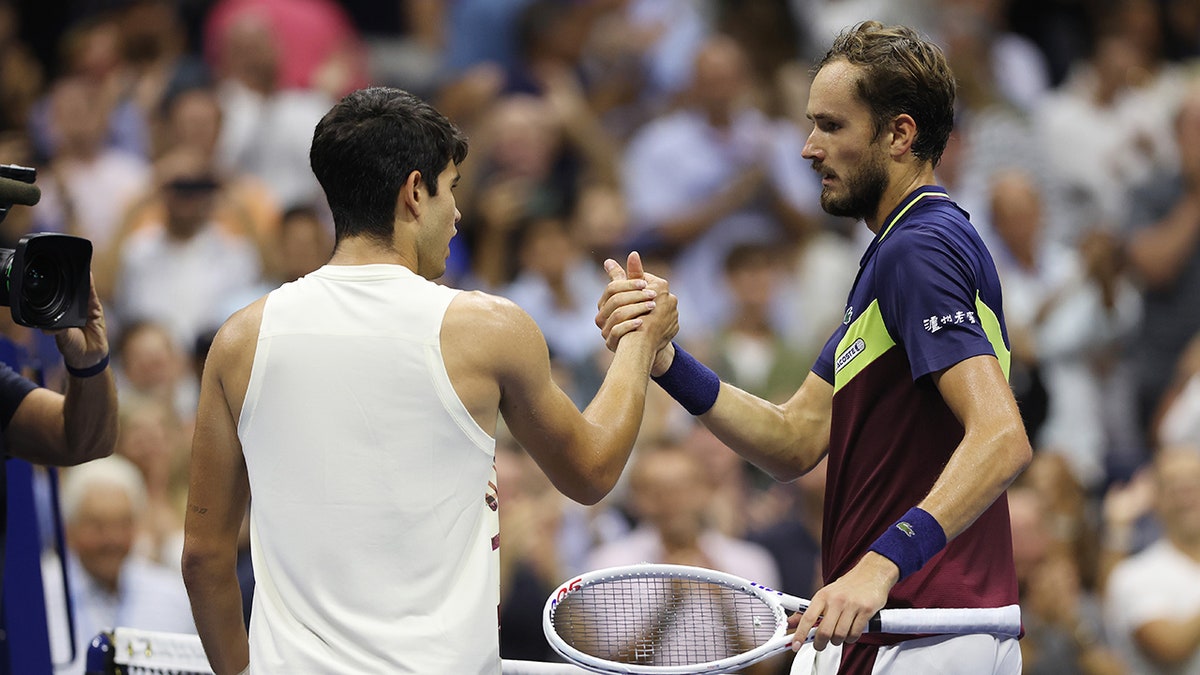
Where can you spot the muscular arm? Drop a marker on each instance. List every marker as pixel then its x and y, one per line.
pixel 218 494
pixel 499 345
pixel 51 428
pixel 784 440
pixel 583 454
pixel 994 449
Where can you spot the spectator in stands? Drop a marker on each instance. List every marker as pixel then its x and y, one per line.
pixel 90 50
pixel 102 502
pixel 669 494
pixel 749 350
pixel 1071 312
pixel 181 270
pixel 557 285
pixel 1153 597
pixel 1063 625
pixel 23 75
pixel 531 562
pixel 1107 128
pixel 318 47
pixel 152 365
pixel 729 191
pixel 266 124
pixel 88 183
pixel 527 166
pixel 191 121
pixel 1164 254
pixel 155 441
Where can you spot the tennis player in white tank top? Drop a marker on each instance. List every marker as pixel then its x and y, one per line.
pixel 357 407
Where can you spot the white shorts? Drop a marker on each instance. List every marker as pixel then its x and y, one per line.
pixel 975 654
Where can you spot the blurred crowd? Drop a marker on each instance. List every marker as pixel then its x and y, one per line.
pixel 174 135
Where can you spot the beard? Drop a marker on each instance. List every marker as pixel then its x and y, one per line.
pixel 864 189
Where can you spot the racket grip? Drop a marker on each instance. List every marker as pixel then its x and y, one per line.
pixel 995 620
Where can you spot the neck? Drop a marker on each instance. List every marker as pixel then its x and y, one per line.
pixel 913 177
pixel 367 251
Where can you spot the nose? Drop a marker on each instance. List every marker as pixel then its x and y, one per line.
pixel 810 150
pixel 457 215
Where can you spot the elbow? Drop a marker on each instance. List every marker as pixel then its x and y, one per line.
pixel 99 450
pixel 202 569
pixel 86 446
pixel 786 473
pixel 193 566
pixel 797 461
pixel 590 491
pixel 588 497
pixel 1017 450
pixel 88 452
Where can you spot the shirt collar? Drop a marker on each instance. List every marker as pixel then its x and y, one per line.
pixel 905 205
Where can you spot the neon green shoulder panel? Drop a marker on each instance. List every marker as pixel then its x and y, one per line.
pixel 991 327
pixel 865 340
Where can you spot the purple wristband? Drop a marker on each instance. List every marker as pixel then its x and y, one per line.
pixel 911 541
pixel 690 382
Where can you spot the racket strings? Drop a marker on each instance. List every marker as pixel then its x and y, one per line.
pixel 663 622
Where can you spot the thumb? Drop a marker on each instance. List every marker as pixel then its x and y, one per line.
pixel 636 271
pixel 615 273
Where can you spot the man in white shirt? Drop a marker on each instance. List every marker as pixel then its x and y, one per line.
pixel 1153 598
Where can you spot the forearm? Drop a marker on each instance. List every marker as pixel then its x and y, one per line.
pixel 216 601
pixel 785 441
pixel 981 469
pixel 90 416
pixel 615 413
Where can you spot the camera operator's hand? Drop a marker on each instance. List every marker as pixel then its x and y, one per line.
pixel 85 347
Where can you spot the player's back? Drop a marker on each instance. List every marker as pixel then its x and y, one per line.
pixel 373 523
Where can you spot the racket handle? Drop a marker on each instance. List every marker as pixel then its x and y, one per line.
pixel 995 620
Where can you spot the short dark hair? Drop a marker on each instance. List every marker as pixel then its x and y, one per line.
pixel 366 146
pixel 903 73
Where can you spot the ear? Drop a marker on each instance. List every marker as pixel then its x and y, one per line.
pixel 903 132
pixel 412 194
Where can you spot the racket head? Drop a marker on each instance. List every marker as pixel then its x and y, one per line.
pixel 664 619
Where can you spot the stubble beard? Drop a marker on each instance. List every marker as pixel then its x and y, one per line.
pixel 864 190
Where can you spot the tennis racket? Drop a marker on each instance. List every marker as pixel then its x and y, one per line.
pixel 681 620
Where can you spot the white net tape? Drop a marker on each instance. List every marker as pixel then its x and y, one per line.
pixel 143 652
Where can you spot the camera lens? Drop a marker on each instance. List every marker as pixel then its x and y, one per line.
pixel 44 287
pixel 45 280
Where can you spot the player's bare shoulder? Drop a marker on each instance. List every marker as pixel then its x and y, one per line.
pixel 489 326
pixel 232 351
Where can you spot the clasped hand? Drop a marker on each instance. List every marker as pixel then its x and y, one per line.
pixel 636 300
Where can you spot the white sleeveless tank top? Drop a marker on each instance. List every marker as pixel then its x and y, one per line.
pixel 373 521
